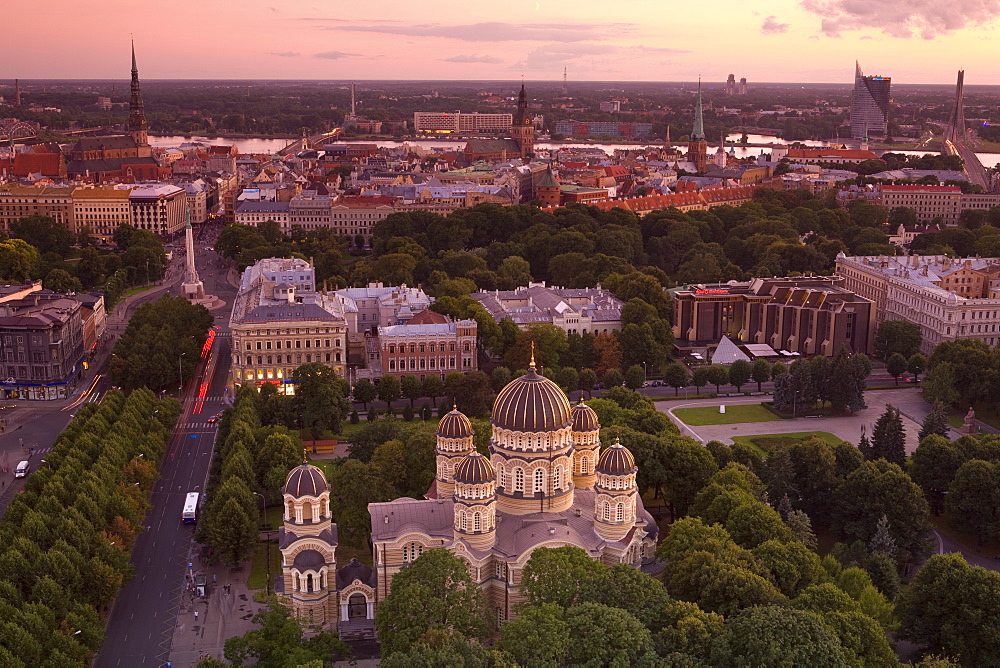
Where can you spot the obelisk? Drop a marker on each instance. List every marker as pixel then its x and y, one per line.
pixel 193 287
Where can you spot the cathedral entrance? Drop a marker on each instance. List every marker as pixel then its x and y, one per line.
pixel 357 607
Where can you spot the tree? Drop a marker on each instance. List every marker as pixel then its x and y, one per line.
pixel 433 387
pixel 320 398
pixel 18 260
pixel 883 542
pixel 471 392
pixel 587 380
pixel 916 365
pixel 889 437
pixel 635 377
pixel 897 336
pixel 761 371
pixel 550 345
pixel 700 377
pixel 740 373
pixel 718 375
pixel 411 388
pixel 565 576
pixel 950 609
pixel 539 636
pixel 44 233
pixel 936 422
pixel 973 500
pixel 774 636
pixel 613 378
pixel 499 378
pixel 606 636
pixel 675 375
pixel 364 391
pixel 896 365
pixel 60 280
pixel 939 385
pixel 878 488
pixel 279 640
pixel 388 390
pixel 232 532
pixel 434 593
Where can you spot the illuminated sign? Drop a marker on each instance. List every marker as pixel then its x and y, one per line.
pixel 711 292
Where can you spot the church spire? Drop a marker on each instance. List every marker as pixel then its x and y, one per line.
pixel 136 113
pixel 698 133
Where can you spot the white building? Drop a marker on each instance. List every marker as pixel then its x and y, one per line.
pixel 257 212
pixel 377 305
pixel 434 121
pixel 573 310
pixel 947 298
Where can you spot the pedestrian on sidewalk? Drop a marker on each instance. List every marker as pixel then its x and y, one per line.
pixel 195 615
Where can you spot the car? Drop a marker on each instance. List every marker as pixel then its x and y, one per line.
pixel 213 420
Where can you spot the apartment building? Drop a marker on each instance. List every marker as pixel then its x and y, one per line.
pixel 928 202
pixel 808 316
pixel 160 208
pixel 256 212
pixel 309 210
pixel 377 305
pixel 102 209
pixel 17 202
pixel 355 215
pixel 41 347
pixel 433 121
pixel 947 298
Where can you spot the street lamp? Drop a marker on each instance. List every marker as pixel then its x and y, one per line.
pixel 180 371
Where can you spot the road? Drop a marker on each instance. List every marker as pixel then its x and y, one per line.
pixel 141 623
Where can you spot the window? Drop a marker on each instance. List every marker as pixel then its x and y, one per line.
pixel 518 480
pixel 412 551
pixel 539 480
pixel 620 513
pixel 607 512
pixel 465 522
pixel 557 478
pixel 477 522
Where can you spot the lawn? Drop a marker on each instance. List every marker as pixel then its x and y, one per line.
pixel 968 541
pixel 258 569
pixel 763 442
pixel 735 414
pixel 135 291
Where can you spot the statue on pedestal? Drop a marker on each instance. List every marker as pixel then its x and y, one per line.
pixel 969 426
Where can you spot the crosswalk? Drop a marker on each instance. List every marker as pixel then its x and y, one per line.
pixel 200 426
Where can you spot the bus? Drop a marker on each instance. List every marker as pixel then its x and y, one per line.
pixel 190 513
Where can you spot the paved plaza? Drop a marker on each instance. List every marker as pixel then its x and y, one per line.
pixel 908 400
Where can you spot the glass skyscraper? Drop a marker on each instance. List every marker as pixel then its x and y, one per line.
pixel 869 105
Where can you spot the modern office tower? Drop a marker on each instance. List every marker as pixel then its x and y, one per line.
pixel 731 85
pixel 869 105
pixel 743 86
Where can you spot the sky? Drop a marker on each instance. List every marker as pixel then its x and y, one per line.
pixel 809 41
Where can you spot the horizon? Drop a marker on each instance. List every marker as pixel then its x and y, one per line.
pixel 804 41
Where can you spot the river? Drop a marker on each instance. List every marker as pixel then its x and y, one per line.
pixel 265 146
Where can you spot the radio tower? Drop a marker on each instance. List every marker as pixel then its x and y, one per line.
pixel 565 85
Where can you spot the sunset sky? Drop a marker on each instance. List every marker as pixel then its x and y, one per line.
pixel 913 41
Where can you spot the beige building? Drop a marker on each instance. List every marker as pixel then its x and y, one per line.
pixel 160 208
pixel 377 305
pixel 428 348
pixel 947 298
pixel 102 209
pixel 352 215
pixel 279 322
pixel 545 483
pixel 434 121
pixel 17 202
pixel 928 202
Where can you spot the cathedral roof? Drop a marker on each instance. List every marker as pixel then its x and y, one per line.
pixel 473 469
pixel 532 403
pixel 454 424
pixel 355 570
pixel 306 480
pixel 309 560
pixel 584 418
pixel 616 460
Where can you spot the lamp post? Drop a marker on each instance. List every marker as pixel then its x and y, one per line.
pixel 180 372
pixel 267 544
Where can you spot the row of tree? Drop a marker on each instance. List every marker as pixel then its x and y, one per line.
pixel 839 381
pixel 65 541
pixel 163 339
pixel 252 460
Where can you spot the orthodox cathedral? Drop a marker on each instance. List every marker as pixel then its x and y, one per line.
pixel 546 483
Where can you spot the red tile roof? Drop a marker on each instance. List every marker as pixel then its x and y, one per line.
pixel 48 164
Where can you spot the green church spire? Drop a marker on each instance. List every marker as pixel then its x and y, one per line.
pixel 698 134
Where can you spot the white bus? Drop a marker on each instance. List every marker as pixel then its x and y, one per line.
pixel 190 512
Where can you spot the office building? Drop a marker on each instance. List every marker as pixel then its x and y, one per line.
pixel 160 208
pixel 41 347
pixel 18 202
pixel 808 316
pixel 571 128
pixel 573 310
pixel 428 345
pixel 280 322
pixel 947 298
pixel 458 122
pixel 102 209
pixel 870 103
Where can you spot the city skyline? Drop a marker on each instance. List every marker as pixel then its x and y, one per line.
pixel 914 42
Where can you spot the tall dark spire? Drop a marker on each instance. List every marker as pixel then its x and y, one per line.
pixel 698 133
pixel 136 114
pixel 521 118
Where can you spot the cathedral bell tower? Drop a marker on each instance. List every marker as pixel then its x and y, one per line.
pixel 523 130
pixel 136 114
pixel 697 146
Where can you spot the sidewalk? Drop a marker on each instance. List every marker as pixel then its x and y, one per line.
pixel 222 614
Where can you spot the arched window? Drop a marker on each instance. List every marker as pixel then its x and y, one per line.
pixel 295 581
pixel 309 583
pixel 291 511
pixel 307 512
pixel 503 477
pixel 620 513
pixel 465 522
pixel 539 480
pixel 357 606
pixel 557 478
pixel 607 512
pixel 519 479
pixel 412 551
pixel 477 522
